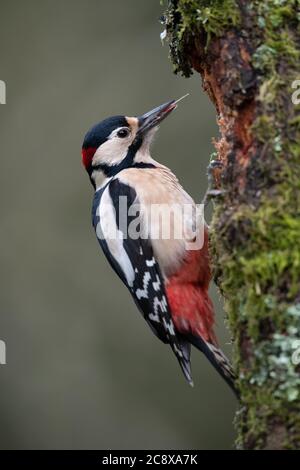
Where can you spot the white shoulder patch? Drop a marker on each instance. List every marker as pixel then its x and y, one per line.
pixel 107 229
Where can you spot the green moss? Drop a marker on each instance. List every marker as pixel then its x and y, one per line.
pixel 259 306
pixel 187 18
pixel 214 16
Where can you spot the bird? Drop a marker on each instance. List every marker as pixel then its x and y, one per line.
pixel 168 277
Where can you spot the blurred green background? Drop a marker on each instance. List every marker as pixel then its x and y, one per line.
pixel 83 369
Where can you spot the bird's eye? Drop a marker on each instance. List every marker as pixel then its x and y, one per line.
pixel 123 133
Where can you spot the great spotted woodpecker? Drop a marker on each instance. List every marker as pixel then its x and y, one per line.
pixel 167 278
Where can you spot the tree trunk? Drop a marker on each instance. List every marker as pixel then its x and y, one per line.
pixel 247 52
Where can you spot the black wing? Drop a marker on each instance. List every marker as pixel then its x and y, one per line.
pixel 134 262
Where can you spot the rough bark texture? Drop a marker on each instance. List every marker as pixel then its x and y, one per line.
pixel 247 53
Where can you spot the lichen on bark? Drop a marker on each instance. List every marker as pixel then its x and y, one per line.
pixel 247 53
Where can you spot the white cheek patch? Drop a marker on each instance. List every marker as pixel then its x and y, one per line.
pixel 112 152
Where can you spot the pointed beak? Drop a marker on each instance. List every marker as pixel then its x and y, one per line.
pixel 153 118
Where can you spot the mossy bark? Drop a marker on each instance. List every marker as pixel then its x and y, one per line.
pixel 248 54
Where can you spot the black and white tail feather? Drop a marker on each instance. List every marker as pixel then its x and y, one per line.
pixel 134 262
pixel 217 358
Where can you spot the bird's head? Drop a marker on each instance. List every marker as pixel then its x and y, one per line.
pixel 121 142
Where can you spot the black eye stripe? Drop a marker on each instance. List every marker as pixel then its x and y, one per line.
pixel 127 162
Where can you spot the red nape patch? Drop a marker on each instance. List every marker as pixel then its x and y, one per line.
pixel 87 156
